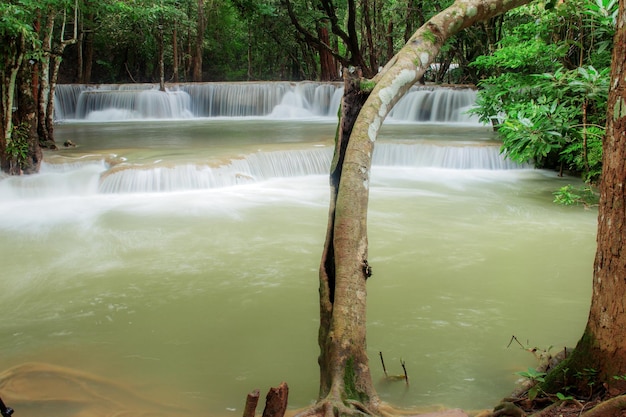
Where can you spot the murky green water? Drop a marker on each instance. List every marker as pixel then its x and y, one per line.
pixel 181 302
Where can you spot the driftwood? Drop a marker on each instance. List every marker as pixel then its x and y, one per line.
pixel 275 402
pixel 251 402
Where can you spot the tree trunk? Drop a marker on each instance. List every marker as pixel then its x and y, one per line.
pixel 49 74
pixel 345 381
pixel 249 74
pixel 44 77
pixel 161 58
pixel 197 50
pixel 344 369
pixel 80 64
pixel 27 116
pixel 603 344
pixel 328 63
pixel 88 52
pixel 175 52
pixel 10 67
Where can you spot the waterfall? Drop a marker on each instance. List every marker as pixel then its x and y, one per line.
pixel 436 105
pixel 253 168
pixel 277 100
pixel 264 166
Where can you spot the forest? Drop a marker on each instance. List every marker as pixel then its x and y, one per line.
pixel 538 60
pixel 550 88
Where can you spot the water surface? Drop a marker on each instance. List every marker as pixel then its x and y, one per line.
pixel 158 295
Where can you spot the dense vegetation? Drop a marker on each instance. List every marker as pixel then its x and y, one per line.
pixel 542 69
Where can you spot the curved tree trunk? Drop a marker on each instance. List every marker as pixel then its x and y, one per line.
pixel 345 380
pixel 344 369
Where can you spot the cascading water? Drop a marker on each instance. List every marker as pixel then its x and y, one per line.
pixel 280 100
pixel 167 264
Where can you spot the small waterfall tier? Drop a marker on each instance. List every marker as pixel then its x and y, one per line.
pixel 95 176
pixel 277 100
pixel 264 166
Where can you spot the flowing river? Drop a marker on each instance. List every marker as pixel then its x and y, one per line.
pixel 167 264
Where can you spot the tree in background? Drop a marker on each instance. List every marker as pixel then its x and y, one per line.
pixel 17 41
pixel 546 85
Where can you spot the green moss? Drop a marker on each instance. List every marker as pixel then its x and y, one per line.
pixel 349 383
pixel 574 371
pixel 367 85
pixel 429 36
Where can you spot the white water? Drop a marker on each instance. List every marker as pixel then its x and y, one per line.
pixel 281 100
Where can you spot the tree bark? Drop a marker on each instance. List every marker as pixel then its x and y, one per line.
pixel 12 61
pixel 276 401
pixel 343 359
pixel 27 116
pixel 251 402
pixel 328 63
pixel 197 50
pixel 175 52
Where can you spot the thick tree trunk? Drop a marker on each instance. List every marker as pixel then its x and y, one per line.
pixel 344 369
pixel 27 116
pixel 603 344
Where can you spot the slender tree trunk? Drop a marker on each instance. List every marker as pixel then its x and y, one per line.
pixel 44 77
pixel 9 70
pixel 328 64
pixel 80 64
pixel 49 76
pixel 367 24
pixel 9 76
pixel 161 58
pixel 88 51
pixel 249 50
pixel 197 50
pixel 389 38
pixel 175 52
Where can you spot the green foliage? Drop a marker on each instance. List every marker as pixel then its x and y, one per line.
pixel 546 112
pixel 569 195
pixel 532 374
pixel 535 131
pixel 17 146
pixel 563 397
pixel 535 376
pixel 349 379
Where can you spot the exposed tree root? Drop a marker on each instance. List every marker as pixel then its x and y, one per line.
pixel 330 407
pixel 613 407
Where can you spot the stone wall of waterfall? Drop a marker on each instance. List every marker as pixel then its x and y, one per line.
pixel 277 100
